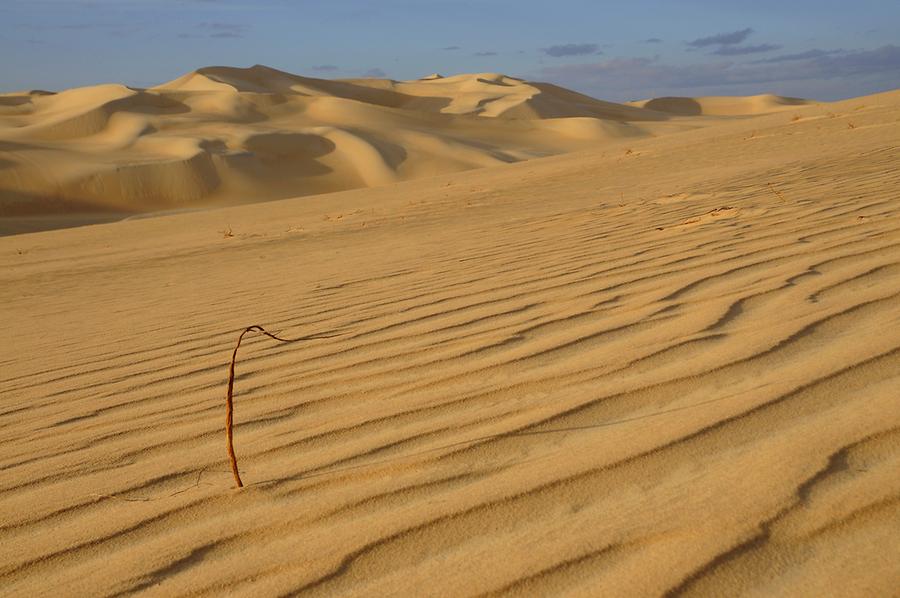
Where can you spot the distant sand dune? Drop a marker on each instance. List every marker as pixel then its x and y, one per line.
pixel 225 136
pixel 722 105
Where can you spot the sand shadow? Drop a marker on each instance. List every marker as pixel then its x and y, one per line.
pixel 335 468
pixel 676 106
pixel 291 154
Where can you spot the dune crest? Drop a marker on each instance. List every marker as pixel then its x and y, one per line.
pixel 722 105
pixel 224 136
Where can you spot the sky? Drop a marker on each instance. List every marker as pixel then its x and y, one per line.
pixel 618 51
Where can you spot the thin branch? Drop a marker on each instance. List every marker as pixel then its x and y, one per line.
pixel 151 499
pixel 229 402
pixel 776 192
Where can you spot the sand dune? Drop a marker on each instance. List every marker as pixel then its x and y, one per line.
pixel 721 105
pixel 226 136
pixel 669 368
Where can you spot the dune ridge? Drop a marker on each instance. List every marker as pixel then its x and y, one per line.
pixel 225 136
pixel 722 105
pixel 671 370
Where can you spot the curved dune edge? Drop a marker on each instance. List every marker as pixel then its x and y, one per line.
pixel 672 370
pixel 196 141
pixel 722 105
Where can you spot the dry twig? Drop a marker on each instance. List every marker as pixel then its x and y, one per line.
pixel 229 403
pixel 776 192
pixel 151 499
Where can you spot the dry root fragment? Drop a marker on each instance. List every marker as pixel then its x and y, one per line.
pixel 229 402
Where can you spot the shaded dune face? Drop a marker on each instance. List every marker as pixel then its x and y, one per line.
pixel 721 105
pixel 224 136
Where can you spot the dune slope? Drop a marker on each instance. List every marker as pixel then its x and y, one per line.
pixel 671 370
pixel 222 135
pixel 225 136
pixel 721 105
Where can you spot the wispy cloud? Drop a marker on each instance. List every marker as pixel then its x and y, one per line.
pixel 571 50
pixel 722 39
pixel 744 50
pixel 325 68
pixel 816 53
pixel 108 27
pixel 451 48
pixel 375 72
pixel 223 30
pixel 485 53
pixel 642 75
pixel 653 40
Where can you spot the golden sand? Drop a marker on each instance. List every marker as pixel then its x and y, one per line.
pixel 665 364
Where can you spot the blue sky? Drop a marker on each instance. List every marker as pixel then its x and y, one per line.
pixel 823 49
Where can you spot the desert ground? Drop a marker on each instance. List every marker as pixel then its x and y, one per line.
pixel 227 136
pixel 563 346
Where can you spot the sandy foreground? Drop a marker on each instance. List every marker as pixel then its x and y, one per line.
pixel 666 365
